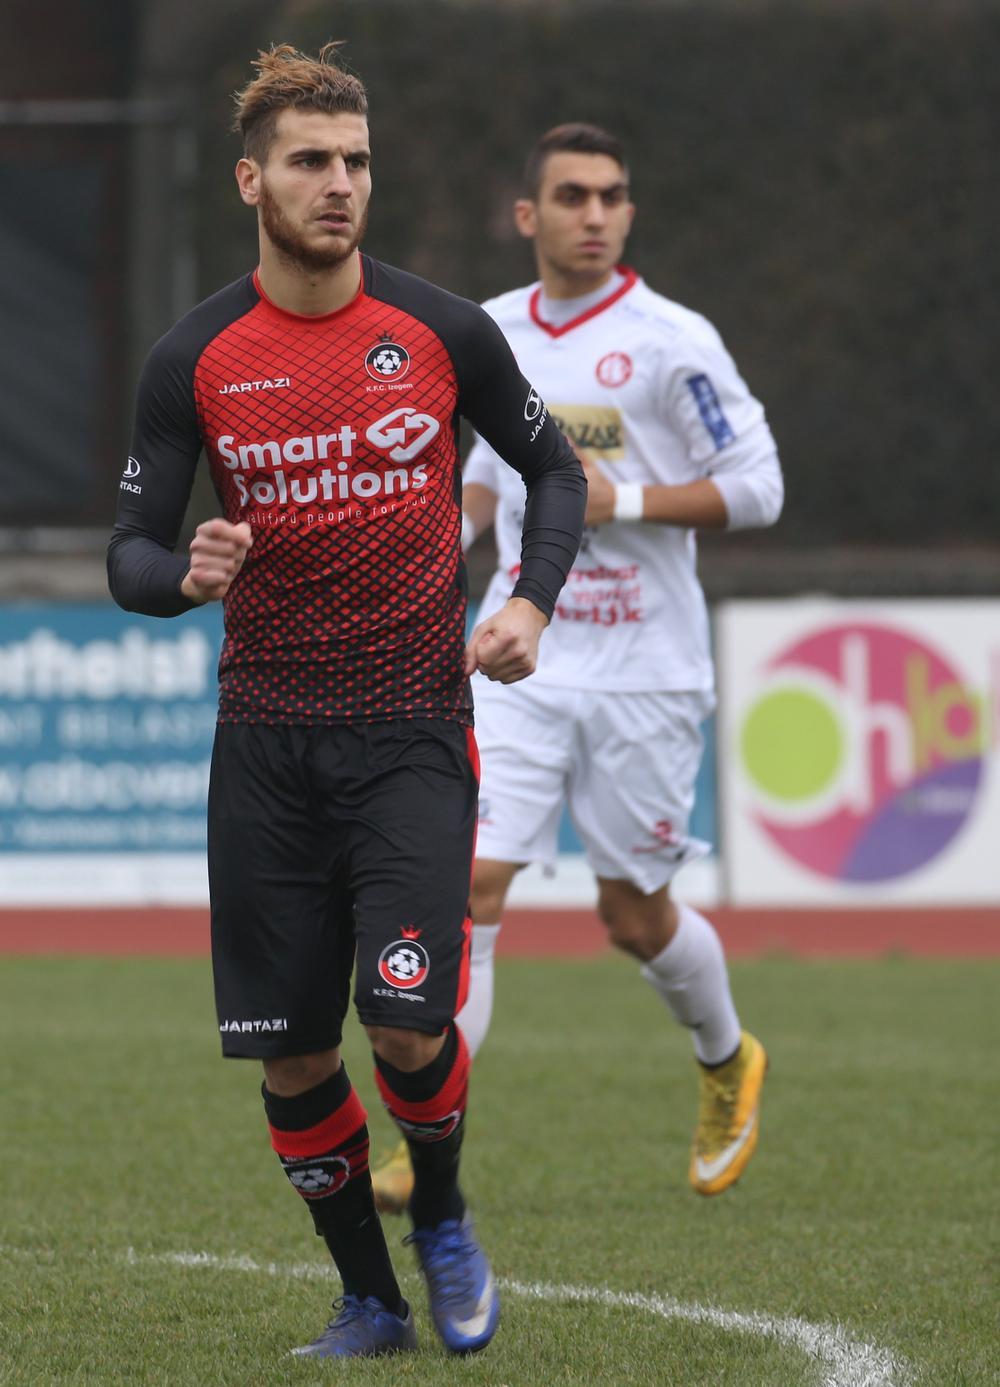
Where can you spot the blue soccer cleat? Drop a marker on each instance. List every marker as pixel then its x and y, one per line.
pixel 461 1288
pixel 363 1329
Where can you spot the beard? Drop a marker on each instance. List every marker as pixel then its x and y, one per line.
pixel 293 245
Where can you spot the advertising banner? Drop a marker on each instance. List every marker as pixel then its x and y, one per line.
pixel 106 726
pixel 859 752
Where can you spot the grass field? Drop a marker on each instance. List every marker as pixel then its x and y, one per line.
pixel 129 1148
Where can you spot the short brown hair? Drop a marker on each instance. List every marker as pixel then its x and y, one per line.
pixel 289 80
pixel 576 138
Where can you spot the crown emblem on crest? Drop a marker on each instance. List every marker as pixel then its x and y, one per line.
pixel 409 933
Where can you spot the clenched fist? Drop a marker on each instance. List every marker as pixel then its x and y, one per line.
pixel 504 647
pixel 217 553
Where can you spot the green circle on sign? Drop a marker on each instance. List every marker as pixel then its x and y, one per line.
pixel 792 744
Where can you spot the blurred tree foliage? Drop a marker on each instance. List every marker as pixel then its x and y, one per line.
pixel 817 176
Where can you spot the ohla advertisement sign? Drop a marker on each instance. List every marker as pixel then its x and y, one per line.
pixel 860 752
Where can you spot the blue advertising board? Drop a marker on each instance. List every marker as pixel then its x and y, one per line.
pixel 106 724
pixel 106 727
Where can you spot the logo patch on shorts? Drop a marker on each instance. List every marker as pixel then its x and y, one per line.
pixel 404 963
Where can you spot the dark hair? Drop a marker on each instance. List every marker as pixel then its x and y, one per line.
pixel 576 138
pixel 289 80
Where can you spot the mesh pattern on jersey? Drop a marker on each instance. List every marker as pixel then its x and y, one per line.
pixel 351 602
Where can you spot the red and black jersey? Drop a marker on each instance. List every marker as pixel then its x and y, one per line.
pixel 336 438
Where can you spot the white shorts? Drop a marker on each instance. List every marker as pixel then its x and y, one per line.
pixel 624 763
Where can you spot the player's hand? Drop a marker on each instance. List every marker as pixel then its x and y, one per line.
pixel 600 493
pixel 217 553
pixel 504 647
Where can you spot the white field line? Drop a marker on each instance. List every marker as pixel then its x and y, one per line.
pixel 844 1362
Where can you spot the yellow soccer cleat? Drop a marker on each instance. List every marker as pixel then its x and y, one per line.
pixel 392 1181
pixel 728 1118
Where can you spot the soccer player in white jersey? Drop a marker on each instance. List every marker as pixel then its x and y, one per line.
pixel 672 442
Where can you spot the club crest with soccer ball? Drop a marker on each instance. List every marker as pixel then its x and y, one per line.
pixel 404 963
pixel 387 360
pixel 317 1177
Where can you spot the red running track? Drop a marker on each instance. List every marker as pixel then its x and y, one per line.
pixel 965 933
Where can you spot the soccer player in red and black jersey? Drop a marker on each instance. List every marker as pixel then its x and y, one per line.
pixel 325 389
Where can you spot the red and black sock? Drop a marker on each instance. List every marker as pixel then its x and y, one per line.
pixel 322 1142
pixel 428 1106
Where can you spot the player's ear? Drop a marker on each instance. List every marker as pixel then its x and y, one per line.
pixel 248 181
pixel 525 218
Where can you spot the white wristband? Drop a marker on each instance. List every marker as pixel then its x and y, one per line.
pixel 628 501
pixel 469 532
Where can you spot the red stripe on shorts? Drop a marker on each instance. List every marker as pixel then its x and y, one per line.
pixel 471 743
pixel 462 996
pixel 463 968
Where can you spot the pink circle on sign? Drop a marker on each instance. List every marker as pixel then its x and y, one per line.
pixel 614 369
pixel 913 760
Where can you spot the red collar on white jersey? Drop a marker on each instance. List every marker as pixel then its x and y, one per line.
pixel 629 279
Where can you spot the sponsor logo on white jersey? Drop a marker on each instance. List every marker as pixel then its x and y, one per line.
pixel 594 428
pixel 709 407
pixel 614 369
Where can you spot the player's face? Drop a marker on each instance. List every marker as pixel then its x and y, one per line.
pixel 580 219
pixel 312 193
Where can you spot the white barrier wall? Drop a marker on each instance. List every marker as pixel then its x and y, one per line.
pixel 859 752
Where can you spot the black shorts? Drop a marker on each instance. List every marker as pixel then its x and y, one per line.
pixel 326 842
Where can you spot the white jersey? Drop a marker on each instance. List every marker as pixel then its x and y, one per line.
pixel 647 389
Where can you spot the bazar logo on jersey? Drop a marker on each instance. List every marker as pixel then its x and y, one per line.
pixel 387 360
pixel 404 963
pixel 402 435
pixel 864 751
pixel 593 428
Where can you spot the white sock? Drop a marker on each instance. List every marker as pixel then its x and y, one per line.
pixel 690 975
pixel 474 1018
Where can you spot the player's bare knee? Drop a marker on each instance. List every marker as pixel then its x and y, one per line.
pixel 486 906
pixel 490 884
pixel 626 933
pixel 289 1075
pixel 404 1049
pixel 639 925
